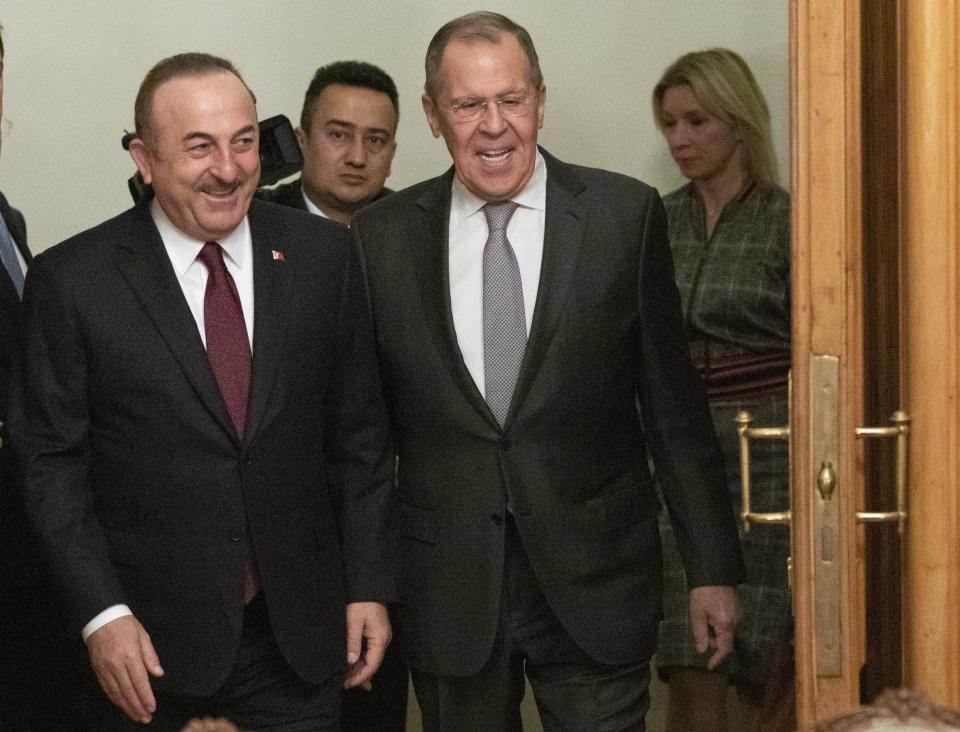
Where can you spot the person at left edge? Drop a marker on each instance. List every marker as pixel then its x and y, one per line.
pixel 222 546
pixel 24 643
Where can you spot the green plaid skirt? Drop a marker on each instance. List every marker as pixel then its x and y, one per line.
pixel 766 618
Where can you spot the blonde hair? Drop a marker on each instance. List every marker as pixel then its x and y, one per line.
pixel 723 83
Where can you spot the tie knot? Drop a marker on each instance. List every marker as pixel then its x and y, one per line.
pixel 498 214
pixel 212 256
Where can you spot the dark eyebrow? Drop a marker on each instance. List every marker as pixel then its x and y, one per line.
pixel 352 126
pixel 340 123
pixel 207 137
pixel 194 136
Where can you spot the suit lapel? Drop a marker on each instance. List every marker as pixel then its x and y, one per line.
pixel 144 264
pixel 430 233
pixel 17 228
pixel 270 302
pixel 564 229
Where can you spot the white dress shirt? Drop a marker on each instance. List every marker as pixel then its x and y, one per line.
pixel 467 238
pixel 311 206
pixel 192 276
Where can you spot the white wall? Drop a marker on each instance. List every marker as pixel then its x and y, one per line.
pixel 73 68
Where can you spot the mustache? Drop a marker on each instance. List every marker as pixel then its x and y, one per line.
pixel 217 187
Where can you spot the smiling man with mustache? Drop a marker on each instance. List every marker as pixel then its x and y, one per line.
pixel 202 431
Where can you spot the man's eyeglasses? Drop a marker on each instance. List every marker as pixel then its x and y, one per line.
pixel 511 105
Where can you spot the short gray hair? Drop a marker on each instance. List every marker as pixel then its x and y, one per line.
pixel 482 26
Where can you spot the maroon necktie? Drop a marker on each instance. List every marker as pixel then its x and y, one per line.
pixel 228 349
pixel 228 346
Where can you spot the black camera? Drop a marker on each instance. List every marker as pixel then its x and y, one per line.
pixel 279 155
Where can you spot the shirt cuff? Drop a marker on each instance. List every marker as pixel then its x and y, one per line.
pixel 111 613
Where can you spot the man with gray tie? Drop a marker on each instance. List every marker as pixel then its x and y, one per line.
pixel 19 658
pixel 15 258
pixel 523 308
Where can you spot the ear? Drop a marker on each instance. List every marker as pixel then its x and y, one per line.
pixel 142 157
pixel 433 116
pixel 541 101
pixel 301 138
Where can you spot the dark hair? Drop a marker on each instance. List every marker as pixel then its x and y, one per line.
pixel 473 27
pixel 174 67
pixel 349 73
pixel 1 42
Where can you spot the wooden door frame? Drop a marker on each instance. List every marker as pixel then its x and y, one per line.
pixel 828 236
pixel 825 51
pixel 931 351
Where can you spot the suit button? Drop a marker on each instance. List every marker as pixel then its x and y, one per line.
pixel 235 537
pixel 505 444
pixel 248 462
pixel 496 518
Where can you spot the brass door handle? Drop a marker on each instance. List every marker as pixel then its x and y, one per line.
pixel 747 433
pixel 901 431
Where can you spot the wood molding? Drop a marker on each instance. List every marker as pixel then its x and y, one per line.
pixel 827 311
pixel 931 348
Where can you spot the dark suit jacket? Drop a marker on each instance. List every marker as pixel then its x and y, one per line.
pixel 14 538
pixel 137 479
pixel 607 334
pixel 9 347
pixel 289 194
pixel 10 301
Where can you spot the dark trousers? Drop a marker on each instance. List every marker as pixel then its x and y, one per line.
pixel 572 691
pixel 261 693
pixel 383 708
pixel 39 653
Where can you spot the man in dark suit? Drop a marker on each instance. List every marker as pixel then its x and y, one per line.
pixel 205 448
pixel 34 655
pixel 526 511
pixel 15 258
pixel 21 685
pixel 347 135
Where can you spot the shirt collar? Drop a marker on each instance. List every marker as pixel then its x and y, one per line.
pixel 183 249
pixel 311 206
pixel 464 204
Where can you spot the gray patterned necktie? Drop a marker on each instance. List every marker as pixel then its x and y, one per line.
pixel 8 255
pixel 504 321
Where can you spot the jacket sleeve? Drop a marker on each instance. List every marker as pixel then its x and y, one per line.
pixel 49 426
pixel 676 417
pixel 360 457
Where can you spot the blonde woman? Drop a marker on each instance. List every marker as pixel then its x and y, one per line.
pixel 730 237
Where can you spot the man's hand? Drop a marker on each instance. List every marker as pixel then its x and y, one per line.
pixel 122 655
pixel 713 616
pixel 368 635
